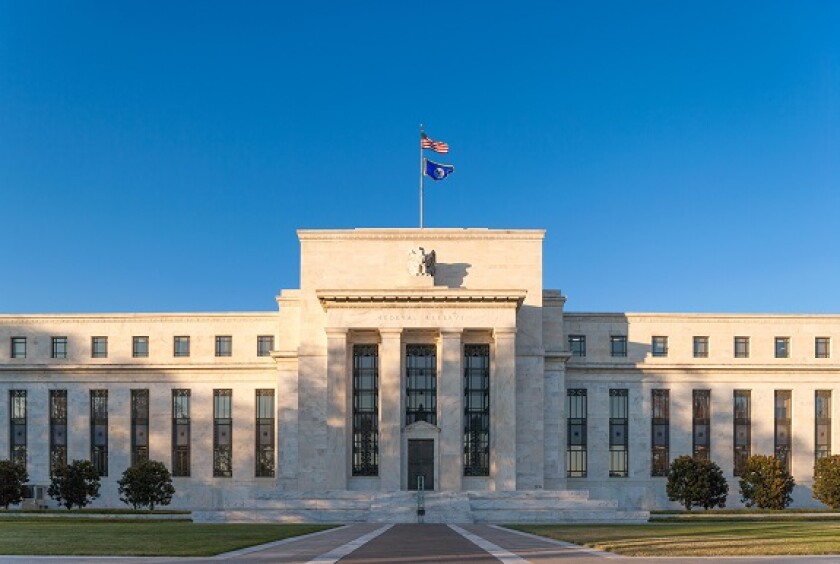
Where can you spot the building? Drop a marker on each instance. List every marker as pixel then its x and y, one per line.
pixel 409 359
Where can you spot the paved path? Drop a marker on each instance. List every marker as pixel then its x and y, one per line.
pixel 371 543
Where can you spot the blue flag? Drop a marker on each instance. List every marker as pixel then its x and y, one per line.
pixel 438 171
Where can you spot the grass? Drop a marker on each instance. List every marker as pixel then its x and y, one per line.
pixel 137 538
pixel 726 537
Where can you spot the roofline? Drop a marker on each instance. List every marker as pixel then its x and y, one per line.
pixel 698 316
pixel 415 233
pixel 228 314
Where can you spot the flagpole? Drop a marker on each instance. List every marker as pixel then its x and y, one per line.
pixel 421 176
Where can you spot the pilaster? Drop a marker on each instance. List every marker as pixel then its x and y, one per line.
pixel 337 461
pixel 390 408
pixel 451 410
pixel 503 410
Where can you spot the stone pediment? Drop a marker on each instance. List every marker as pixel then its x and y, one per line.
pixel 409 297
pixel 422 429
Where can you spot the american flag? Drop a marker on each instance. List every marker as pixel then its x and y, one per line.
pixel 427 142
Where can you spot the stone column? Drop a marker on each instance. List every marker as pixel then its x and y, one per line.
pixel 336 459
pixel 503 410
pixel 450 411
pixel 390 409
pixel 554 406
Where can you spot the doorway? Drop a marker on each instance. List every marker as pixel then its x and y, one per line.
pixel 421 462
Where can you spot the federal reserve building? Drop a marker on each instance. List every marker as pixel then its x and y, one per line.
pixel 417 366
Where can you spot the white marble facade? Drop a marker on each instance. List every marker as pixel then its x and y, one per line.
pixel 372 287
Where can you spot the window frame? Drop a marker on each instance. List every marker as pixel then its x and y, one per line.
pixel 700 342
pixel 580 350
pixel 99 347
pixel 741 347
pixel 784 350
pixel 224 345
pixel 59 347
pixel 14 342
pixel 261 341
pixel 659 346
pixel 136 351
pixel 181 346
pixel 618 346
pixel 825 341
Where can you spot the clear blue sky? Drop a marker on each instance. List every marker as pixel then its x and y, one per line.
pixel 158 156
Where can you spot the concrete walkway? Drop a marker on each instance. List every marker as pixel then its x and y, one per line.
pixel 376 543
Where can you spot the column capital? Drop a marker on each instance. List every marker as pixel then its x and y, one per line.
pixel 504 332
pixel 336 332
pixel 451 332
pixel 390 332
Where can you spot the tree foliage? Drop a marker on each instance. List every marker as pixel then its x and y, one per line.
pixel 827 481
pixel 696 482
pixel 146 484
pixel 765 483
pixel 13 476
pixel 75 484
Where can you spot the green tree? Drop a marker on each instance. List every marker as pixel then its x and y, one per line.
pixel 765 483
pixel 696 482
pixel 13 476
pixel 146 484
pixel 76 484
pixel 827 481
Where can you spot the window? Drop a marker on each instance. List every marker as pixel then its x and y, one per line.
pixel 476 410
pixel 659 346
pixel 224 345
pixel 140 347
pixel 182 346
pixel 782 347
pixel 265 434
pixel 822 409
pixel 421 384
pixel 618 433
pixel 660 432
pixel 59 347
pixel 58 429
pixel 701 347
pixel 99 347
pixel 222 427
pixel 365 410
pixel 781 435
pixel 742 347
pixel 139 426
pixel 822 347
pixel 99 430
pixel 180 432
pixel 700 421
pixel 742 432
pixel 265 344
pixel 618 346
pixel 576 433
pixel 577 344
pixel 18 347
pixel 17 426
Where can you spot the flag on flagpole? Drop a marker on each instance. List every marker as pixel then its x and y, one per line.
pixel 437 171
pixel 427 142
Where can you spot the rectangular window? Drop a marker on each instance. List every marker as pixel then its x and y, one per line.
pixel 99 430
pixel 742 347
pixel 139 347
pixel 17 426
pixel 822 409
pixel 182 346
pixel 139 426
pixel 265 434
pixel 180 432
pixel 659 346
pixel 222 430
pixel 660 432
pixel 781 435
pixel 421 384
pixel 782 347
pixel 59 347
pixel 18 347
pixel 577 345
pixel 99 347
pixel 618 345
pixel 476 410
pixel 58 429
pixel 365 410
pixel 224 345
pixel 265 344
pixel 742 432
pixel 700 423
pixel 576 433
pixel 618 433
pixel 701 347
pixel 822 347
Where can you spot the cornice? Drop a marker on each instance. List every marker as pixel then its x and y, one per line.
pixel 25 318
pixel 410 297
pixel 701 317
pixel 420 234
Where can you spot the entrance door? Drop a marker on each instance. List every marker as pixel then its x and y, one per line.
pixel 421 462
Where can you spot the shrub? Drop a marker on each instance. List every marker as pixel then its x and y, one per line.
pixel 13 476
pixel 696 482
pixel 75 484
pixel 765 483
pixel 827 481
pixel 147 483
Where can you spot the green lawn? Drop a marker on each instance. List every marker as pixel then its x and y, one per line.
pixel 91 537
pixel 716 538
